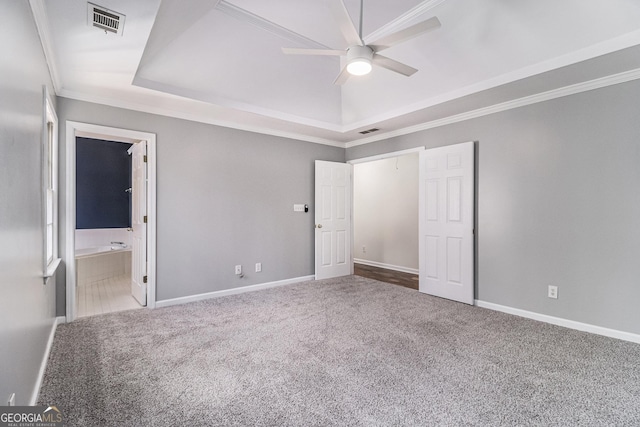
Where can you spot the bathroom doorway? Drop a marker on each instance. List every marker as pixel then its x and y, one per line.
pixel 110 222
pixel 103 236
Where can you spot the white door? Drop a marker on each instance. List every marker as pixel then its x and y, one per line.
pixel 333 219
pixel 446 209
pixel 139 222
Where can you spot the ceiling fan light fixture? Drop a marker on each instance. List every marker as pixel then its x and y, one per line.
pixel 359 67
pixel 359 60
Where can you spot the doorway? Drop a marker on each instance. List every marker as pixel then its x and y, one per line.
pixel 103 235
pixel 446 213
pixel 385 217
pixel 146 266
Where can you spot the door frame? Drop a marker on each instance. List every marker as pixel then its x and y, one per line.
pixel 373 159
pixel 475 192
pixel 74 129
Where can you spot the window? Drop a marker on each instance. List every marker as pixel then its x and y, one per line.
pixel 50 188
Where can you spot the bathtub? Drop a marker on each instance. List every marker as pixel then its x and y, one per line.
pixel 101 263
pixel 98 250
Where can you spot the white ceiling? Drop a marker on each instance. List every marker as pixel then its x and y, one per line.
pixel 220 61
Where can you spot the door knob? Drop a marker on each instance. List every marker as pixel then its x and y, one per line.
pixel 319 226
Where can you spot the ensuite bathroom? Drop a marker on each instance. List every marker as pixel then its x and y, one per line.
pixel 103 235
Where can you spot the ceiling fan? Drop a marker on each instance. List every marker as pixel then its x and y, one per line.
pixel 361 56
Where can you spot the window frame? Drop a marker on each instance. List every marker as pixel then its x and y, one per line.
pixel 50 259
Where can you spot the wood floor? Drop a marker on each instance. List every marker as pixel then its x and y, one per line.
pixel 106 296
pixel 407 280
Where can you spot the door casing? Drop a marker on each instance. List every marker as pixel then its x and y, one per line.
pixel 74 129
pixel 422 149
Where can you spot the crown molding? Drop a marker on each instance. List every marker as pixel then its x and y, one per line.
pixel 480 112
pixel 224 102
pixel 508 105
pixel 195 117
pixel 42 25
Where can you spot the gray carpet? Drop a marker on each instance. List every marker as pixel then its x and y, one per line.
pixel 350 351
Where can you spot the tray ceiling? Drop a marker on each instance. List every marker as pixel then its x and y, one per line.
pixel 221 61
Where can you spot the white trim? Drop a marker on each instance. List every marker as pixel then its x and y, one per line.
pixel 599 83
pixel 81 134
pixel 49 151
pixel 591 52
pixel 386 155
pixel 42 25
pixel 234 291
pixel 88 129
pixel 45 359
pixel 386 266
pixel 208 118
pixel 51 268
pixel 571 324
pixel 70 221
pixel 224 102
pixel 152 221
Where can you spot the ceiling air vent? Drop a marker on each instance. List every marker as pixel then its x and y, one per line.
pixel 105 19
pixel 364 132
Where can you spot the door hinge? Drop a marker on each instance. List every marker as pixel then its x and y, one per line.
pixel 144 279
pixel 144 158
pixel 144 219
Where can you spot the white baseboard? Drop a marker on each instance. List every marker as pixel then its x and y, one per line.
pixel 387 266
pixel 45 358
pixel 234 291
pixel 571 324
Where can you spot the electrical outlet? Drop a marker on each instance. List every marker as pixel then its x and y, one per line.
pixel 12 400
pixel 364 249
pixel 238 269
pixel 553 292
pixel 258 267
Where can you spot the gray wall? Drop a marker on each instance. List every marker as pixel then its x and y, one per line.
pixel 27 307
pixel 558 189
pixel 225 197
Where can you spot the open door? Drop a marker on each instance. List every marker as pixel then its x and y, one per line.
pixel 446 247
pixel 139 222
pixel 333 219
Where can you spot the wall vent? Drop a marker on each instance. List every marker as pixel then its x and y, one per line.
pixel 105 19
pixel 364 132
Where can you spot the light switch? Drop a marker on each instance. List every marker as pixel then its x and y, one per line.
pixel 298 208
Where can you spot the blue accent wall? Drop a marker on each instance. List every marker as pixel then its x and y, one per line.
pixel 103 173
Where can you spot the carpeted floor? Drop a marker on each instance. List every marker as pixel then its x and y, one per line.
pixel 349 351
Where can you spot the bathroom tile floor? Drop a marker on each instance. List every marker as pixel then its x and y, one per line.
pixel 106 296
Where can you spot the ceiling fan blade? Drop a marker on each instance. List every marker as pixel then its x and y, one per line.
pixel 342 77
pixel 406 34
pixel 393 65
pixel 345 23
pixel 298 51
